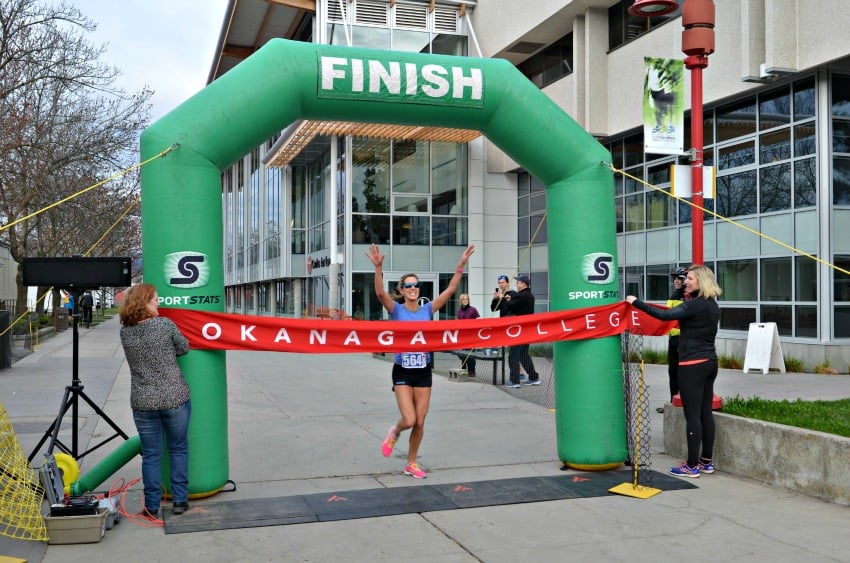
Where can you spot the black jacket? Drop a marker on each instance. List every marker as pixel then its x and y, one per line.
pixel 698 319
pixel 521 303
pixel 501 305
pixel 86 300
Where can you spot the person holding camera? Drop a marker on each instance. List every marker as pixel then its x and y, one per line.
pixel 499 303
pixel 521 302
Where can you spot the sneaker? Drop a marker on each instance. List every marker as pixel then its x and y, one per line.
pixel 389 442
pixel 685 470
pixel 414 470
pixel 707 468
pixel 531 382
pixel 512 385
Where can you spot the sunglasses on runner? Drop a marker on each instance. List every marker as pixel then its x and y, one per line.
pixel 409 285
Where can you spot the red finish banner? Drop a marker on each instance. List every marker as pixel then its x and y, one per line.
pixel 224 331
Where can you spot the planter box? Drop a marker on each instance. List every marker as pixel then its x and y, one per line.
pixel 809 462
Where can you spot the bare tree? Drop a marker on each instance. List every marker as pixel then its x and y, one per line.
pixel 64 126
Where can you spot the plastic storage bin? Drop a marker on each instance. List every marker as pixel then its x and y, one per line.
pixel 76 529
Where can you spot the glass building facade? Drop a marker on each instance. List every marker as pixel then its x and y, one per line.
pixel 343 193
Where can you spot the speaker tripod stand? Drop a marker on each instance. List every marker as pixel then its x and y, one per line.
pixel 71 400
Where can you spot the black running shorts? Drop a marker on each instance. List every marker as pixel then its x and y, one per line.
pixel 418 377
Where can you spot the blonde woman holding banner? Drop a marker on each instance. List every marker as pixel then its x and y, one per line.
pixel 698 318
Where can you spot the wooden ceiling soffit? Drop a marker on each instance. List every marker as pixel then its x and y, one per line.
pixel 306 5
pixel 307 130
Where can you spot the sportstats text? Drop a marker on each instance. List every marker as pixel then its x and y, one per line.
pixel 608 294
pixel 171 301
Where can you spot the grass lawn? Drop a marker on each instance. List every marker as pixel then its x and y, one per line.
pixel 832 417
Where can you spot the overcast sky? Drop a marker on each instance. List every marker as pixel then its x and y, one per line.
pixel 167 45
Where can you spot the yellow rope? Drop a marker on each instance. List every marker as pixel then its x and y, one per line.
pixel 49 290
pixel 93 186
pixel 732 222
pixel 110 229
pixel 115 224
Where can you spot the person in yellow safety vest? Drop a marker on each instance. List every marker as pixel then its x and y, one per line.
pixel 678 275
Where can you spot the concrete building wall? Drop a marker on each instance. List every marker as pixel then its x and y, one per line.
pixel 751 36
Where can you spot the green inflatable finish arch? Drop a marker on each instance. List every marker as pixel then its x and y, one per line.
pixel 286 81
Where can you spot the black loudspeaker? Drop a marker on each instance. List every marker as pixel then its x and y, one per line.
pixel 77 272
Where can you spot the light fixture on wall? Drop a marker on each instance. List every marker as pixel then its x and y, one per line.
pixel 653 8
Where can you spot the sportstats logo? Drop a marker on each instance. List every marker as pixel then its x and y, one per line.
pixel 597 268
pixel 187 270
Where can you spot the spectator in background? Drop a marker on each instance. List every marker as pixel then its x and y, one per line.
pixel 86 304
pixel 676 298
pixel 499 303
pixel 69 303
pixel 467 311
pixel 521 302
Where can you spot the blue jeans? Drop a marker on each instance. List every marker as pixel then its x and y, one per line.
pixel 172 425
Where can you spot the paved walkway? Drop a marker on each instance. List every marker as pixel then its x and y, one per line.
pixel 303 424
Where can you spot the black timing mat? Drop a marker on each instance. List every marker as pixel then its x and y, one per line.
pixel 369 503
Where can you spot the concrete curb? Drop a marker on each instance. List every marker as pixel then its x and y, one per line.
pixel 806 461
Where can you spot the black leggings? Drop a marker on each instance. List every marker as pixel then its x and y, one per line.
pixel 673 365
pixel 696 387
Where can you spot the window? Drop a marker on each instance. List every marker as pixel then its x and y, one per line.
pixel 737 318
pixel 776 279
pixel 550 64
pixel 766 159
pixel 840 145
pixel 298 206
pixel 736 194
pixel 736 120
pixel 659 283
pixel 774 109
pixel 531 209
pixel 738 278
pixel 775 188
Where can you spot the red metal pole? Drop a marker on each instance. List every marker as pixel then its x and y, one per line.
pixel 695 64
pixel 697 44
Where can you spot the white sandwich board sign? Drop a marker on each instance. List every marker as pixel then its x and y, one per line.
pixel 764 351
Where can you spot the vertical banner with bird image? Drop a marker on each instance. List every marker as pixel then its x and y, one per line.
pixel 663 106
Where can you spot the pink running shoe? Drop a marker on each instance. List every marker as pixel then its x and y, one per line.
pixel 389 442
pixel 414 470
